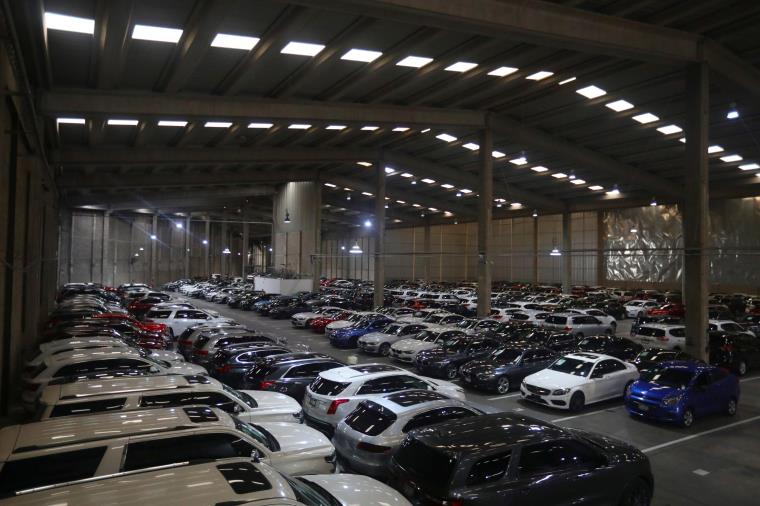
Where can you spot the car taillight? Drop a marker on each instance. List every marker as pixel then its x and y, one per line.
pixel 264 385
pixel 568 329
pixel 226 368
pixel 334 405
pixel 202 353
pixel 369 447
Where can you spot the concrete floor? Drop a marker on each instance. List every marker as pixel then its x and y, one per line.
pixel 716 461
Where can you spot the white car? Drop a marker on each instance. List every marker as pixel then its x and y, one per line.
pixel 657 335
pixel 728 326
pixel 336 392
pixel 433 336
pixel 180 319
pixel 303 320
pixel 578 379
pixel 634 308
pixel 380 342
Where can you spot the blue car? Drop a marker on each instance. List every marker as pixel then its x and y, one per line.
pixel 680 391
pixel 348 337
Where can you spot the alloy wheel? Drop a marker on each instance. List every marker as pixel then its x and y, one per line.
pixel 503 385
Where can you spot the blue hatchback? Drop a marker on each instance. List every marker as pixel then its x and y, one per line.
pixel 681 391
pixel 348 337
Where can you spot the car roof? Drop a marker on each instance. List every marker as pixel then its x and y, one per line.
pixel 115 386
pixel 75 356
pixel 414 400
pixel 354 372
pixel 478 434
pixel 299 356
pixel 664 326
pixel 588 356
pixel 65 431
pixel 687 365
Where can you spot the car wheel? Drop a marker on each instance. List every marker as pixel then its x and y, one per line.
pixel 502 386
pixel 742 368
pixel 451 372
pixel 731 407
pixel 687 420
pixel 636 494
pixel 385 349
pixel 577 401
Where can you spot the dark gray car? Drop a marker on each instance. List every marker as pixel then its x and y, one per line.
pixel 506 367
pixel 289 373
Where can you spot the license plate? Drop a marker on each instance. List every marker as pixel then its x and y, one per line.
pixel 313 402
pixel 642 406
pixel 533 397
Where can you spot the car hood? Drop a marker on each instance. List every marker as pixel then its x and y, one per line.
pixel 413 345
pixel 553 379
pixel 485 367
pixel 358 490
pixel 653 391
pixel 340 324
pixel 438 355
pixel 273 401
pixel 169 356
pixel 303 316
pixel 374 337
pixel 298 438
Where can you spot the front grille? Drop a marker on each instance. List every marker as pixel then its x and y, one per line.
pixel 536 390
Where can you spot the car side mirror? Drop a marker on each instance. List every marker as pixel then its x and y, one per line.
pixel 255 456
pixel 237 409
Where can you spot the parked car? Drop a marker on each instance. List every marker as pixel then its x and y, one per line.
pixel 336 392
pixel 348 337
pixel 751 322
pixel 380 342
pixel 640 307
pixel 231 364
pixel 320 323
pixel 444 362
pixel 728 327
pixel 678 310
pixel 617 346
pixel 534 462
pixel 579 325
pixel 179 319
pixel 434 336
pixel 369 436
pixel 681 391
pixel 304 319
pixel 289 373
pixel 671 337
pixel 506 367
pixel 578 379
pixel 207 345
pixel 649 359
pixel 561 342
pixel 739 353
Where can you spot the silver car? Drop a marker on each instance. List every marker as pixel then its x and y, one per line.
pixel 579 325
pixel 369 436
pixel 380 342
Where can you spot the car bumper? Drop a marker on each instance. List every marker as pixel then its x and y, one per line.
pixel 552 401
pixel 369 347
pixel 298 323
pixel 653 411
pixel 470 380
pixel 402 356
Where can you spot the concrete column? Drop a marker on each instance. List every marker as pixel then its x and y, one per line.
pixel 695 209
pixel 601 240
pixel 244 253
pixel 535 250
pixel 567 258
pixel 225 244
pixel 187 248
pixel 104 247
pixel 316 264
pixel 301 203
pixel 207 252
pixel 485 208
pixel 379 293
pixel 153 251
pixel 427 259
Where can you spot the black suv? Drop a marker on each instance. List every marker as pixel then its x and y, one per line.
pixel 737 352
pixel 289 373
pixel 618 347
pixel 534 462
pixel 506 367
pixel 230 364
pixel 444 362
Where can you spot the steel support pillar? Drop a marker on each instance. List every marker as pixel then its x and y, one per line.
pixel 153 251
pixel 427 250
pixel 535 251
pixel 223 258
pixel 601 259
pixel 244 253
pixel 207 251
pixel 485 209
pixel 104 248
pixel 187 248
pixel 379 279
pixel 316 263
pixel 567 258
pixel 695 209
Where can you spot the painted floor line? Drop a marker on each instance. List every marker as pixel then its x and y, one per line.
pixel 503 397
pixel 700 434
pixel 606 410
pixel 749 379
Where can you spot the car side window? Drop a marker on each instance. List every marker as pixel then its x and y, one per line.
pixel 309 370
pixel 439 415
pixel 89 407
pixel 173 450
pixel 615 366
pixel 602 368
pixel 198 315
pixel 183 314
pixel 555 456
pixel 703 379
pixel 489 469
pixel 678 332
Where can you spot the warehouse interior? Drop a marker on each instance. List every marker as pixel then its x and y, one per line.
pixel 603 143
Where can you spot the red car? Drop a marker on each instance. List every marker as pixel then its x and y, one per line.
pixel 149 326
pixel 139 307
pixel 668 310
pixel 319 324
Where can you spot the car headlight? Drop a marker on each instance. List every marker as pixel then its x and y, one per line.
pixel 561 391
pixel 671 401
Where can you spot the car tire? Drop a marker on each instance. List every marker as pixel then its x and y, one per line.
pixel 451 372
pixel 385 349
pixel 687 419
pixel 577 401
pixel 741 369
pixel 731 407
pixel 503 385
pixel 637 493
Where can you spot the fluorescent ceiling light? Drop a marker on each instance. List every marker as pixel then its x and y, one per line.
pixel 502 71
pixel 260 125
pixel 70 121
pixel 424 131
pixel 465 190
pixel 122 122
pixel 172 123
pixel 65 23
pixel 364 164
pixel 645 118
pixel 670 129
pixel 578 181
pixel 367 194
pixel 516 204
pixel 447 186
pixel 401 202
pixel 299 126
pixel 732 115
pixel 414 61
pixel 335 127
pixel 749 166
pixel 559 175
pixel 406 174
pixel 302 49
pixel 714 149
pixel 416 205
pixel 434 209
pixel 541 74
pixel 682 140
pixel 613 191
pixel 620 105
pixel 498 154
pixel 229 41
pixel 461 66
pixel 596 187
pixel 539 168
pixel 370 128
pixel 591 92
pixel 519 161
pixel 568 80
pixel 390 170
pixel 428 180
pixel 218 124
pixel 732 158
pixel 156 33
pixel 401 129
pixel 362 55
pixel 331 185
pixel 471 146
pixel 446 137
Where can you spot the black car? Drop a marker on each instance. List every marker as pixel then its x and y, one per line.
pixel 534 462
pixel 444 362
pixel 561 342
pixel 282 312
pixel 506 367
pixel 247 302
pixel 230 364
pixel 616 346
pixel 289 373
pixel 648 359
pixel 611 307
pixel 738 352
pixel 264 309
pixel 751 322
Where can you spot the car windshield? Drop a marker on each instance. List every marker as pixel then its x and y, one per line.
pixel 655 355
pixel 458 344
pixel 256 433
pixel 392 329
pixel 162 363
pixel 509 355
pixel 572 366
pixel 241 396
pixel 426 336
pixel 671 377
pixel 310 493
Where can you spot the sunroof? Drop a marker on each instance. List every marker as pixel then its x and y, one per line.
pixel 244 477
pixel 201 414
pixel 369 368
pixel 413 397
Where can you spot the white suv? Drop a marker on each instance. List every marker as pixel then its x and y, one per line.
pixel 336 392
pixel 179 319
pixel 433 336
pixel 669 337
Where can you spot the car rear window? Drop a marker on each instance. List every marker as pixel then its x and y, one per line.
pixel 650 332
pixel 324 386
pixel 370 418
pixel 429 467
pixel 158 314
pixel 556 320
